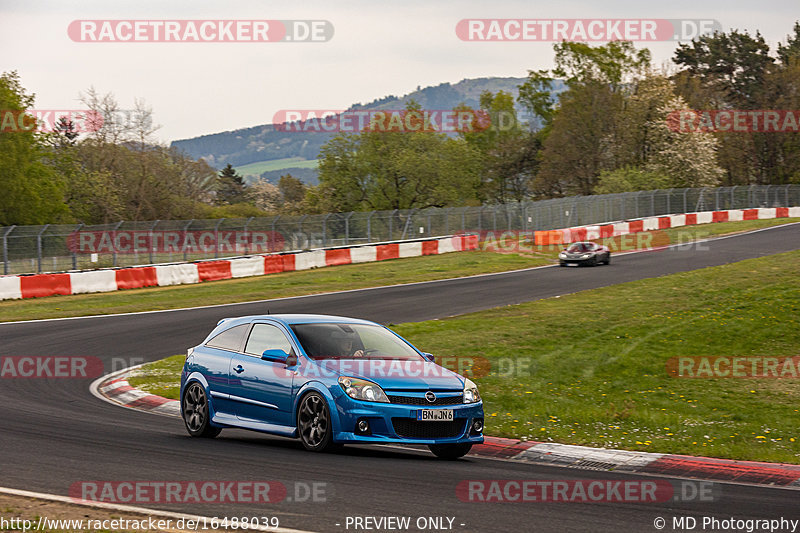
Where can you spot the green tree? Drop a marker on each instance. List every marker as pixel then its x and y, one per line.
pixel 292 189
pixel 629 179
pixel 33 193
pixel 581 142
pixel 508 150
pixel 396 170
pixel 583 134
pixel 736 70
pixel 230 186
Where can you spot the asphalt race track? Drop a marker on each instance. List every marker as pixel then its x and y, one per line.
pixel 55 433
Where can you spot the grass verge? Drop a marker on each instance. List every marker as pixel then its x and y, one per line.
pixel 327 279
pixel 264 287
pixel 590 368
pixel 162 378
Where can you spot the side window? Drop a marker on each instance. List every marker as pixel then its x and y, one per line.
pixel 266 337
pixel 230 339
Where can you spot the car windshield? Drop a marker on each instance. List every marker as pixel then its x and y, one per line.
pixel 352 341
pixel 580 247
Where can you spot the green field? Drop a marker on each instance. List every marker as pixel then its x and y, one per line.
pixel 590 368
pixel 258 168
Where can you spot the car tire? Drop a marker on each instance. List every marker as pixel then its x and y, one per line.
pixel 608 259
pixel 196 412
pixel 314 424
pixel 450 452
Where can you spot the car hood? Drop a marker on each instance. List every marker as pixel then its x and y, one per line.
pixel 577 255
pixel 396 375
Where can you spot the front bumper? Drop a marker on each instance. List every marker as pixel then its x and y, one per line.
pixel 404 428
pixel 570 261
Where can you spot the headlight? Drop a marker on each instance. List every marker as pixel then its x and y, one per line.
pixel 471 394
pixel 361 389
pixel 562 255
pixel 584 256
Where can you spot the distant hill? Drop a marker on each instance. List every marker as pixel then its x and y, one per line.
pixel 263 144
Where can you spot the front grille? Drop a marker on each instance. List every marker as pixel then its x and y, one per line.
pixel 419 400
pixel 411 428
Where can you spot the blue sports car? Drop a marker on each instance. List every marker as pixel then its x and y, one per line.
pixel 326 380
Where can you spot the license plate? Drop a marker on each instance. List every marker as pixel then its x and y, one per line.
pixel 572 264
pixel 434 415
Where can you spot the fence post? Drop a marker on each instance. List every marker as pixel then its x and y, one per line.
pixel 114 239
pixel 391 222
pixel 274 235
pixel 5 248
pixel 185 231
pixel 369 226
pixel 300 230
pixel 39 248
pixel 347 228
pixel 325 229
pixel 524 217
pixel 216 238
pixel 150 234
pixel 786 194
pixel 75 250
pixel 246 237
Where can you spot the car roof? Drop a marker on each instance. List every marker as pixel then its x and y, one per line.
pixel 290 319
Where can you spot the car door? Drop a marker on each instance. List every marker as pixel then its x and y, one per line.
pixel 262 390
pixel 213 359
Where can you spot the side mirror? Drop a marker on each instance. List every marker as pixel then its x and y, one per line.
pixel 276 356
pixel 429 357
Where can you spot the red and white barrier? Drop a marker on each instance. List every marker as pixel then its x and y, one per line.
pixel 94 281
pixel 38 285
pixel 589 233
pixel 247 266
pixel 497 240
pixel 179 274
pixel 10 287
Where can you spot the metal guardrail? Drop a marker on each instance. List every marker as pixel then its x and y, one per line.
pixel 52 247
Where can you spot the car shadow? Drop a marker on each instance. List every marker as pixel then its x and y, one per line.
pixel 241 437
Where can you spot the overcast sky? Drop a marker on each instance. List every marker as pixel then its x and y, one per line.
pixel 379 48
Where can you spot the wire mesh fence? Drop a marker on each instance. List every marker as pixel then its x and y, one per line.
pixel 53 248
